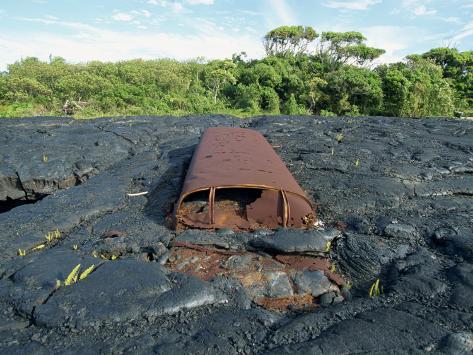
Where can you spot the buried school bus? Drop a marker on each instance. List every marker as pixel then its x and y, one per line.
pixel 236 180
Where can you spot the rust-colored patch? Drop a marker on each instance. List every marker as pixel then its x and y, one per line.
pixel 335 278
pixel 341 226
pixel 298 262
pixel 204 249
pixel 311 263
pixel 305 302
pixel 251 278
pixel 254 271
pixel 201 263
pixel 236 180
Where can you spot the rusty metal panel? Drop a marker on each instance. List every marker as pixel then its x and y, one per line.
pixel 227 164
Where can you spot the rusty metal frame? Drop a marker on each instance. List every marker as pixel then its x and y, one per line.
pixel 237 158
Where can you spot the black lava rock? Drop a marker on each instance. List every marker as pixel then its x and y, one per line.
pixel 399 190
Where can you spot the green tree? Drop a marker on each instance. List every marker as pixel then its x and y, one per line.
pixel 269 101
pixel 458 68
pixel 416 89
pixel 218 74
pixel 316 97
pixel 286 40
pixel 395 90
pixel 449 59
pixel 247 97
pixel 291 107
pixel 352 89
pixel 335 79
pixel 338 48
pixel 3 86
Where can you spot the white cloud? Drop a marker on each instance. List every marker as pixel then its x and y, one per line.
pixel 156 2
pixel 146 13
pixel 395 40
pixel 45 21
pixel 422 10
pixel 176 7
pixel 352 4
pixel 130 16
pixel 465 32
pixel 92 43
pixel 418 7
pixel 450 19
pixel 283 13
pixel 251 13
pixel 200 2
pixel 122 16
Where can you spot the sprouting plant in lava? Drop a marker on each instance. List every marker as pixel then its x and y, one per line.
pixel 56 234
pixel 74 276
pixel 328 246
pixel 39 247
pixel 86 272
pixel 376 289
pixel 49 237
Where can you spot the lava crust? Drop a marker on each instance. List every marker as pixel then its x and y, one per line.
pixel 90 262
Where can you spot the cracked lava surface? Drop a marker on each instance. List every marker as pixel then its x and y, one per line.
pixel 395 196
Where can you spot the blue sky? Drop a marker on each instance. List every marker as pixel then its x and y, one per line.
pixel 111 30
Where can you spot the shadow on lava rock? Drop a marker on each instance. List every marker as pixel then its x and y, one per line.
pixel 165 191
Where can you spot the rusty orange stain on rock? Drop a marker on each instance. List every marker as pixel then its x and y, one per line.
pixel 294 302
pixel 236 180
pixel 299 262
pixel 267 279
pixel 204 249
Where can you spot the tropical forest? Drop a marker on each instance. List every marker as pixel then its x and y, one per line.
pixel 304 72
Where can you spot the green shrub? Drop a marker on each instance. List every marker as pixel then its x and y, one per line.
pixel 289 80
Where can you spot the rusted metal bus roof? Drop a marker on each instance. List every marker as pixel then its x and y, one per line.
pixel 241 159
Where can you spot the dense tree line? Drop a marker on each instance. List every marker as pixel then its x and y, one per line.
pixel 304 72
